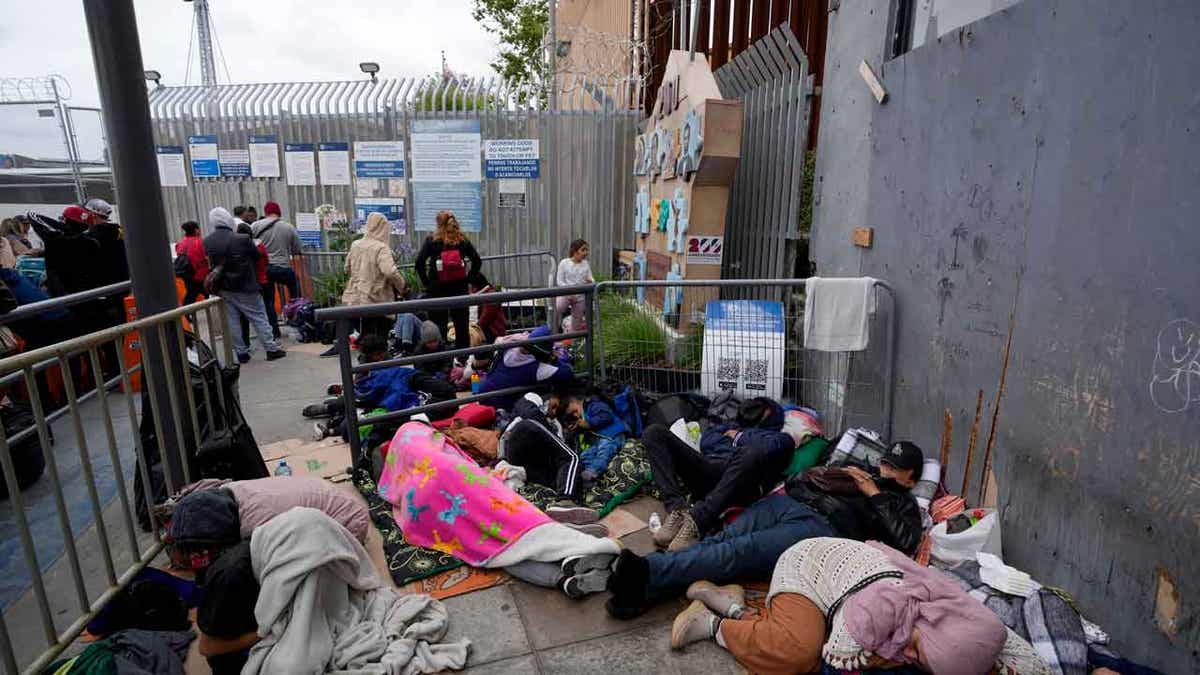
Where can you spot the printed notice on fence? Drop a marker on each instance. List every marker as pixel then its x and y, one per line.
pixel 446 172
pixel 334 161
pixel 298 160
pixel 234 163
pixel 308 227
pixel 743 348
pixel 172 172
pixel 512 158
pixel 203 150
pixel 700 250
pixel 512 193
pixel 264 157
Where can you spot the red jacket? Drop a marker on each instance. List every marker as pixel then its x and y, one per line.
pixel 260 266
pixel 491 316
pixel 193 248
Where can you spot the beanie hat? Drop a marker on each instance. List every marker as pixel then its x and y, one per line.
pixel 272 209
pixel 430 332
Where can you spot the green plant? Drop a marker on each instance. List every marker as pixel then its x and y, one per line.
pixel 628 335
pixel 689 351
pixel 328 288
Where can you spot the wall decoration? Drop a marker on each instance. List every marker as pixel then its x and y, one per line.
pixel 664 214
pixel 672 154
pixel 641 213
pixel 639 155
pixel 691 142
pixel 664 147
pixel 675 236
pixel 652 165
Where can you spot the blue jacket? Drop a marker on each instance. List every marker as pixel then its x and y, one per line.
pixel 387 388
pixel 26 293
pixel 608 430
pixel 716 445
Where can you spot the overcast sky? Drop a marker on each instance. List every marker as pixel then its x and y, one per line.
pixel 263 41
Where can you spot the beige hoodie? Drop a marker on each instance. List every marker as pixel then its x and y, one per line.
pixel 373 274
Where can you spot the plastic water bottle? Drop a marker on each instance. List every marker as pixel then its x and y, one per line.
pixel 476 383
pixel 654 523
pixel 283 469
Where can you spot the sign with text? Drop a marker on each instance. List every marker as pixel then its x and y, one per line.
pixel 512 193
pixel 743 348
pixel 172 172
pixel 333 159
pixel 298 160
pixel 234 163
pixel 308 228
pixel 264 157
pixel 392 209
pixel 379 159
pixel 447 172
pixel 701 250
pixel 203 151
pixel 512 158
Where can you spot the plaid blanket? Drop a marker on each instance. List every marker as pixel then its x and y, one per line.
pixel 1044 619
pixel 628 474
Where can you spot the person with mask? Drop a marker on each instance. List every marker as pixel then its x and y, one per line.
pixel 233 256
pixel 374 277
pixel 845 501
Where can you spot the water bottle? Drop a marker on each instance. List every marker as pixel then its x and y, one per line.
pixel 476 383
pixel 283 469
pixel 654 523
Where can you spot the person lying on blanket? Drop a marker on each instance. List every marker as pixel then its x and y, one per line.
pixel 444 501
pixel 594 419
pixel 822 502
pixel 855 606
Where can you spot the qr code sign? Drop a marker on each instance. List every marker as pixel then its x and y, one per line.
pixel 728 371
pixel 756 374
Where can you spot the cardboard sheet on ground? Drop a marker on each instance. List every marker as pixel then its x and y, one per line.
pixel 621 523
pixel 457 582
pixel 326 461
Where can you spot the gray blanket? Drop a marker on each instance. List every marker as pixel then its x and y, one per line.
pixel 322 608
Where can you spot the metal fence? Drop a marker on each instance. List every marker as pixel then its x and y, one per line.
pixel 94 506
pixel 586 145
pixel 773 81
pixel 679 350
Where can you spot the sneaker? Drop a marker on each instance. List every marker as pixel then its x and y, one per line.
pixel 669 529
pixel 688 536
pixel 321 431
pixel 693 624
pixel 582 585
pixel 570 512
pixel 315 410
pixel 332 351
pixel 594 529
pixel 244 358
pixel 727 601
pixel 276 355
pixel 581 564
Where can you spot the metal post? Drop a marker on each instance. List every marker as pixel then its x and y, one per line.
pixel 60 112
pixel 117 53
pixel 695 10
pixel 553 13
pixel 589 354
pixel 347 367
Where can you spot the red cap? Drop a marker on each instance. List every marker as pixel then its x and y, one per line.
pixel 272 209
pixel 78 214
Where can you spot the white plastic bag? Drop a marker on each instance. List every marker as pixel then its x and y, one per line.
pixel 982 536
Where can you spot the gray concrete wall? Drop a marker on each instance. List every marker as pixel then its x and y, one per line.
pixel 1035 194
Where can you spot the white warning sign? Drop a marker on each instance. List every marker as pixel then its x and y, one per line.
pixel 700 250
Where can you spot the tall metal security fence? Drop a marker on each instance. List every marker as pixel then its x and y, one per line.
pixel 773 81
pixel 585 190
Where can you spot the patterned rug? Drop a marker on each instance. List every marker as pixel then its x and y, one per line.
pixel 628 475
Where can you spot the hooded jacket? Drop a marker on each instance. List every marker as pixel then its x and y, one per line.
pixel 759 423
pixel 373 274
pixel 235 252
pixel 892 516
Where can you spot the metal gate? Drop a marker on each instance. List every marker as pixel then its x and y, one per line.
pixel 586 188
pixel 765 204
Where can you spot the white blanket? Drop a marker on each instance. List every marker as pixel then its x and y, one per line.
pixel 322 608
pixel 837 313
pixel 552 542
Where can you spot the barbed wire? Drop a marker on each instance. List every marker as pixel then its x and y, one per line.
pixel 18 89
pixel 596 55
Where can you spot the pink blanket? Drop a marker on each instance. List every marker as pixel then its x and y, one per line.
pixel 445 501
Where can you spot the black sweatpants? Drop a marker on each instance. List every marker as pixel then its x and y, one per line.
pixel 547 459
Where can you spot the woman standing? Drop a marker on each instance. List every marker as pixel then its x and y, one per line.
pixel 574 270
pixel 374 277
pixel 16 230
pixel 191 247
pixel 444 263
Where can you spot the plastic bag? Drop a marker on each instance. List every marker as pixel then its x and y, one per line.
pixel 983 536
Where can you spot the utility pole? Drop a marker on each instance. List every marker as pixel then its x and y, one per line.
pixel 552 11
pixel 208 63
pixel 117 53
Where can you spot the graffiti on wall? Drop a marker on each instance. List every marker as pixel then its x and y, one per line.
pixel 1175 378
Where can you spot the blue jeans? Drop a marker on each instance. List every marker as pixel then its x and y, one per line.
pixel 745 551
pixel 249 305
pixel 407 329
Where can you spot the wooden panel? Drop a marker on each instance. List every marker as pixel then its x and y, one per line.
pixel 760 19
pixel 702 39
pixel 720 36
pixel 741 27
pixel 779 12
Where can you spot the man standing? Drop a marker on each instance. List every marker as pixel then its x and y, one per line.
pixel 241 216
pixel 235 255
pixel 283 246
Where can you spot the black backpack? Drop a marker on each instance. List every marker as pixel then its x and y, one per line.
pixel 183 267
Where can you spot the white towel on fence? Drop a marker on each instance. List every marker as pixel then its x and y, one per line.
pixel 837 313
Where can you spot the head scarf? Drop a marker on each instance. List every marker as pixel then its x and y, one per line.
pixel 956 633
pixel 378 227
pixel 220 216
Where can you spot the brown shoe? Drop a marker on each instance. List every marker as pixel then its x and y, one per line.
pixel 688 536
pixel 725 601
pixel 669 529
pixel 693 624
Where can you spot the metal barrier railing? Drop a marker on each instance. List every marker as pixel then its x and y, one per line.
pixel 669 351
pixel 345 317
pixel 164 329
pixel 325 262
pixel 33 309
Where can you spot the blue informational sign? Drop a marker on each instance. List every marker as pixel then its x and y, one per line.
pixel 743 348
pixel 464 199
pixel 203 150
pixel 512 158
pixel 379 159
pixel 391 208
pixel 758 316
pixel 234 163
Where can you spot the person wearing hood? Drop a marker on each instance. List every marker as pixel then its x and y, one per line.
pixel 374 277
pixel 233 257
pixel 526 367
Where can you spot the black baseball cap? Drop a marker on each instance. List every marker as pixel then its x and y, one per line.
pixel 905 455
